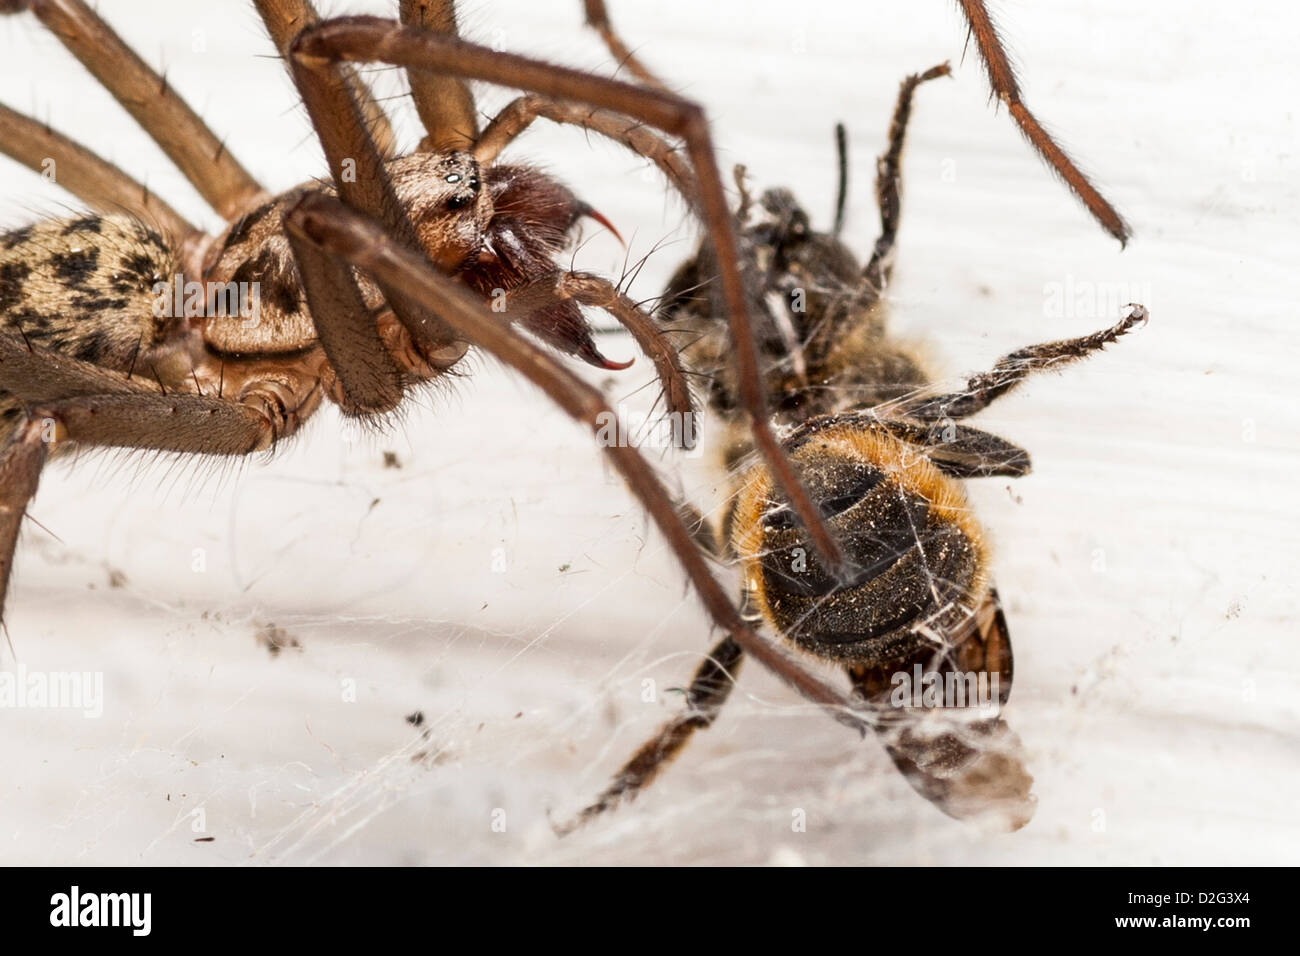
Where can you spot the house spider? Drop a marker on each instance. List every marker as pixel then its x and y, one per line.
pixel 375 282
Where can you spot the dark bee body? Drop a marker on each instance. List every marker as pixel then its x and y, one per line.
pixel 819 328
pixel 884 459
pixel 917 550
pixel 919 598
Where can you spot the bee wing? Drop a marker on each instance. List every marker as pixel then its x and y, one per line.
pixel 961 756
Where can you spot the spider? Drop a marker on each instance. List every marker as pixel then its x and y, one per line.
pixel 374 282
pixel 882 456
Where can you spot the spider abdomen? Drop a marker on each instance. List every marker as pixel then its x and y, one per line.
pixel 89 287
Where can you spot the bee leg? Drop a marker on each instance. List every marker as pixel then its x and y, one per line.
pixel 706 696
pixel 979 454
pixel 889 178
pixel 957 450
pixel 960 450
pixel 1010 370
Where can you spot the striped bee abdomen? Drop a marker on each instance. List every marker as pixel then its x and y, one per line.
pixel 916 550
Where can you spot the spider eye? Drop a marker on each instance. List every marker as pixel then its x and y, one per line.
pixel 458 202
pixel 452 178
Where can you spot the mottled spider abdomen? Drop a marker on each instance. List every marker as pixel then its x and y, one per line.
pixel 918 552
pixel 86 287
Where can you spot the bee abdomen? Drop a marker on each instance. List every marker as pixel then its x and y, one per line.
pixel 915 549
pixel 876 616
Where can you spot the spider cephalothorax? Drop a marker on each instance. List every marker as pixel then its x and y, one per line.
pixel 498 229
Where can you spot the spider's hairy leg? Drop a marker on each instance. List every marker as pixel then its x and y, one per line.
pixel 362 181
pixel 67 399
pixel 1010 370
pixel 444 103
pixel 371 39
pixel 1002 79
pixel 284 19
pixel 517 115
pixel 361 242
pixel 21 461
pixel 889 177
pixel 367 377
pixel 709 690
pixel 599 293
pixel 598 19
pixel 90 178
pixel 184 137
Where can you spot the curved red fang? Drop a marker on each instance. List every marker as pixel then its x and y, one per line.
pixel 590 213
pixel 591 355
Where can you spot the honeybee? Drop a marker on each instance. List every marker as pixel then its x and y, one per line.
pixel 917 625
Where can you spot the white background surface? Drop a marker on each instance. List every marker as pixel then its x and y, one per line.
pixel 1148 565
